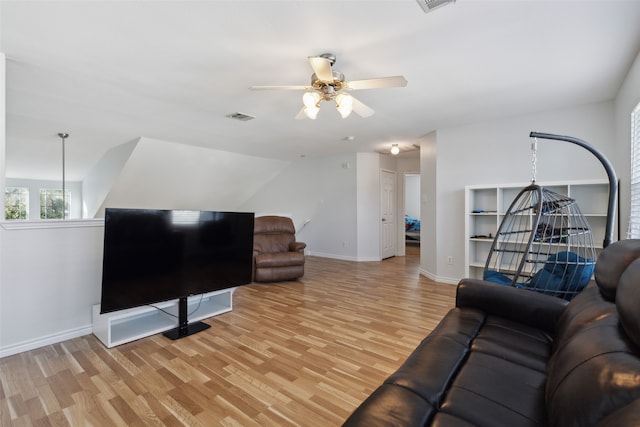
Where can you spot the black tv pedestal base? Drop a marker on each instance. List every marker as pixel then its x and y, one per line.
pixel 184 328
pixel 182 331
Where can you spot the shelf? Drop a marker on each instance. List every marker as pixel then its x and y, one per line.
pixel 495 200
pixel 129 325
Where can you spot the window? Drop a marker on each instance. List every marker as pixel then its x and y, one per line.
pixel 16 203
pixel 634 215
pixel 52 205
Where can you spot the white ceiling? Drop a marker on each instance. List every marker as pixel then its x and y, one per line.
pixel 108 72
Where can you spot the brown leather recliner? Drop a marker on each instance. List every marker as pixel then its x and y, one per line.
pixel 276 254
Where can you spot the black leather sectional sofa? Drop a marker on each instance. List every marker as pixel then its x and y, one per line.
pixel 516 358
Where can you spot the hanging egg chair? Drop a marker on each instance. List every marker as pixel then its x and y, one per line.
pixel 544 243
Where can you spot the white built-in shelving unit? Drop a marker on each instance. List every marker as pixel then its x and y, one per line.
pixel 128 325
pixel 486 205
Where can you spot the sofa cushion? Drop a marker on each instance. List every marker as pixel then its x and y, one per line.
pixel 280 259
pixel 512 341
pixel 278 274
pixel 430 368
pixel 272 243
pixel 390 405
pixel 612 262
pixel 628 301
pixel 625 416
pixel 502 381
pixel 594 369
pixel 493 391
pixel 473 369
pixel 585 309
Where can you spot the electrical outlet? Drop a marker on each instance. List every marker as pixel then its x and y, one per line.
pixel 450 260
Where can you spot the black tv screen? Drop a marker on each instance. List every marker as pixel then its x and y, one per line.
pixel 152 256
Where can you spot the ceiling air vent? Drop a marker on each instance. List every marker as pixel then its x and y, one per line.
pixel 241 116
pixel 429 5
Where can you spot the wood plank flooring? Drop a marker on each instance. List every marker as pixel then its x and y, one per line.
pixel 302 353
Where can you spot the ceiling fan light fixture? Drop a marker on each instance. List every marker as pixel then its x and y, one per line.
pixel 311 99
pixel 344 104
pixel 395 149
pixel 311 112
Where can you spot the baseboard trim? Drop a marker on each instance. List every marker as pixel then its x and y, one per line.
pixel 342 257
pixel 44 341
pixel 439 279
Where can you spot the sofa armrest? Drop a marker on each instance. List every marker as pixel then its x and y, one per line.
pixel 297 246
pixel 524 306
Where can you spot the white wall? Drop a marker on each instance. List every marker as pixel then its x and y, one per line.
pixel 167 175
pixel 500 152
pixel 100 179
pixel 428 204
pixel 321 191
pixel 3 133
pixel 368 220
pixel 627 99
pixel 338 197
pixel 50 276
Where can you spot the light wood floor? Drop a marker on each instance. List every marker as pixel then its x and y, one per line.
pixel 289 354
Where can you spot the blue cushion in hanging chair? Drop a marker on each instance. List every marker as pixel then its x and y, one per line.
pixel 496 277
pixel 563 273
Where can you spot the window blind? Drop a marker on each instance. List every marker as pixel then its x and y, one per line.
pixel 634 215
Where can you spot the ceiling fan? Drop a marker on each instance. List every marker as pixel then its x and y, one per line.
pixel 328 85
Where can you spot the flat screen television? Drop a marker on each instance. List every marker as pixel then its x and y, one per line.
pixel 154 255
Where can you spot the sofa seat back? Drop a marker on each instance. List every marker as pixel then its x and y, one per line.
pixel 273 234
pixel 593 376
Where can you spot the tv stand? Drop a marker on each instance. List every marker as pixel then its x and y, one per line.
pixel 185 331
pixel 185 328
pixel 124 326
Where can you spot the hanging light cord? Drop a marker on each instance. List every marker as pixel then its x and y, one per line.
pixel 534 159
pixel 63 136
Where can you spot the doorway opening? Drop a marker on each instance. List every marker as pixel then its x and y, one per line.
pixel 412 212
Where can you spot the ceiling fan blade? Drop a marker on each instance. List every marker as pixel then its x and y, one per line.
pixel 301 115
pixel 361 109
pixel 381 82
pixel 322 67
pixel 280 88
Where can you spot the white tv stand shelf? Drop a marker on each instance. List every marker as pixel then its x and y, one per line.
pixel 486 206
pixel 124 326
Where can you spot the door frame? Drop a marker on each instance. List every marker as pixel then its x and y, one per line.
pixel 394 201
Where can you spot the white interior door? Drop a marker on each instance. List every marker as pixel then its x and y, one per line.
pixel 387 213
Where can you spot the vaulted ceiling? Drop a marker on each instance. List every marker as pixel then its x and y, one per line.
pixel 108 72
